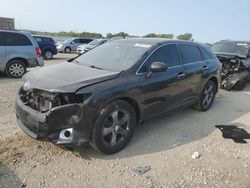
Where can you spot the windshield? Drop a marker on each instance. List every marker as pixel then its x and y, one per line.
pixel 114 56
pixel 240 48
pixel 68 41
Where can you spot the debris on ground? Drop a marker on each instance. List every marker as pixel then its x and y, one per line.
pixel 235 133
pixel 196 155
pixel 142 170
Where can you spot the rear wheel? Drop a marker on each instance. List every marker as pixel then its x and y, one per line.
pixel 48 55
pixel 67 50
pixel 114 127
pixel 207 97
pixel 15 69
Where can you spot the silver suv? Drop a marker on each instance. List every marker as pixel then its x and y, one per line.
pixel 18 51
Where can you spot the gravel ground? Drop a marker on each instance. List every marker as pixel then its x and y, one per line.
pixel 163 146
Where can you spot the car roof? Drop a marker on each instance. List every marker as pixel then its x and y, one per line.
pixel 238 41
pixel 14 31
pixel 154 41
pixel 41 36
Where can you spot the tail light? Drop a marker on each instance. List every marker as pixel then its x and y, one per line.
pixel 38 52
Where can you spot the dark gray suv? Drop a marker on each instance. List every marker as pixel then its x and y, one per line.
pixel 112 88
pixel 18 51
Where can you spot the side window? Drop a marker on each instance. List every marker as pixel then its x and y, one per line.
pixel 166 54
pixel 16 39
pixel 206 54
pixel 76 41
pixel 38 39
pixel 48 40
pixel 189 53
pixel 1 39
pixel 84 41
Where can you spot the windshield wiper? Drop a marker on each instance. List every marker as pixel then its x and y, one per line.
pixel 94 67
pixel 76 61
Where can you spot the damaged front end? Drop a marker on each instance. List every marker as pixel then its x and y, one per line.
pixel 235 72
pixel 56 117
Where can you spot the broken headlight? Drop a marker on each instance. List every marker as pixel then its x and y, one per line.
pixel 70 98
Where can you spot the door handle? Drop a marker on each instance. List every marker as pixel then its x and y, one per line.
pixel 181 75
pixel 205 67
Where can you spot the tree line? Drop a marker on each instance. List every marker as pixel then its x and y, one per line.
pixel 185 36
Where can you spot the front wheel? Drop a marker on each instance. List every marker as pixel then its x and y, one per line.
pixel 240 85
pixel 67 50
pixel 206 97
pixel 114 127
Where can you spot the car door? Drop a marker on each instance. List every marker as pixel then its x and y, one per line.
pixel 194 66
pixel 164 90
pixel 75 44
pixel 2 51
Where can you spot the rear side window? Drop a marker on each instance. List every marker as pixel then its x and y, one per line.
pixel 206 54
pixel 16 39
pixel 38 39
pixel 85 40
pixel 1 39
pixel 189 53
pixel 48 40
pixel 166 54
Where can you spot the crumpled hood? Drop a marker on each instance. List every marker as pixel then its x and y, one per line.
pixel 228 56
pixel 65 77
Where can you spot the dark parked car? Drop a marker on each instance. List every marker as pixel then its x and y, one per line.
pixel 112 88
pixel 235 59
pixel 47 46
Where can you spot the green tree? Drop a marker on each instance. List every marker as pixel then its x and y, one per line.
pixel 120 34
pixel 153 35
pixel 186 36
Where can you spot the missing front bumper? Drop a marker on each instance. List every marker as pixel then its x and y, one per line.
pixel 63 125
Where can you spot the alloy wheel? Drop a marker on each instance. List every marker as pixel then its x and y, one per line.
pixel 48 55
pixel 16 70
pixel 208 96
pixel 116 127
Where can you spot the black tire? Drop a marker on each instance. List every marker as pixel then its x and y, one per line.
pixel 67 50
pixel 15 69
pixel 206 97
pixel 240 85
pixel 48 55
pixel 110 135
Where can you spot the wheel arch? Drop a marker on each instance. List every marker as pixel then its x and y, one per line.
pixel 67 47
pixel 26 63
pixel 216 82
pixel 134 104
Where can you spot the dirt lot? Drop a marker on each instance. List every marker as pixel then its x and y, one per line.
pixel 165 144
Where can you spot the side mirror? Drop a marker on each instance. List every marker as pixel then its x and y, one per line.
pixel 72 42
pixel 158 67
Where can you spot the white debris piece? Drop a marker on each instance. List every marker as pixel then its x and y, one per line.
pixel 195 155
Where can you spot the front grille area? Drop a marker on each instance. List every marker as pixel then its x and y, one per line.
pixel 39 100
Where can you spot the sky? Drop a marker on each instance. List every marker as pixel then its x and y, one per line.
pixel 207 20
